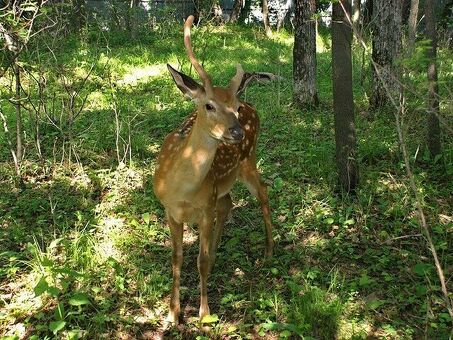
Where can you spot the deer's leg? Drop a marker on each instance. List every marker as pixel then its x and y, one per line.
pixel 204 258
pixel 176 230
pixel 250 176
pixel 223 208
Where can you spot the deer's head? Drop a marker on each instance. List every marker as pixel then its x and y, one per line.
pixel 218 108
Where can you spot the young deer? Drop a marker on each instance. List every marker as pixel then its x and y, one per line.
pixel 199 164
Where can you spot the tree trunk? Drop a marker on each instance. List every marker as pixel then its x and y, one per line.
pixel 236 12
pixel 355 12
pixel 343 103
pixel 368 13
pixel 267 26
pixel 19 127
pixel 131 18
pixel 433 133
pixel 386 42
pixel 304 54
pixel 245 13
pixel 412 25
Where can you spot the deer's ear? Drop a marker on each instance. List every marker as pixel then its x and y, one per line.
pixel 260 77
pixel 186 84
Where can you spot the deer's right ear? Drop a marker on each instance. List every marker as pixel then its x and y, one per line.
pixel 186 84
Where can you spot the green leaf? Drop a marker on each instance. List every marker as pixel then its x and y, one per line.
pixel 134 223
pixel 79 299
pixel 146 218
pixel 329 220
pixel 231 329
pixel 272 326
pixel 41 286
pixel 278 183
pixel 59 311
pixel 46 262
pixel 365 280
pixel 54 243
pixel 210 318
pixel 285 334
pixel 54 291
pixel 56 326
pixel 421 268
pixel 420 290
pixel 74 334
pixel 375 304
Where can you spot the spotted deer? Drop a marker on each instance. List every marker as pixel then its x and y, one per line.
pixel 199 164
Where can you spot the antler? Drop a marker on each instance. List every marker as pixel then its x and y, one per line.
pixel 237 79
pixel 193 60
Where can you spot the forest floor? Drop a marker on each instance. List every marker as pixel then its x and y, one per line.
pixel 84 249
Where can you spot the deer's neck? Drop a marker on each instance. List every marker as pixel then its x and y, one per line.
pixel 195 159
pixel 199 151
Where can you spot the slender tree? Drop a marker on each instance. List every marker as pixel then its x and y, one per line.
pixel 412 25
pixel 433 133
pixel 343 103
pixel 265 10
pixel 304 54
pixel 367 13
pixel 386 41
pixel 355 12
pixel 236 12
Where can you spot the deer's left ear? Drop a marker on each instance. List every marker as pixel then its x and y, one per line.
pixel 186 84
pixel 260 77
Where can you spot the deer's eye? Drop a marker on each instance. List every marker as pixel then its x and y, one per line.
pixel 209 107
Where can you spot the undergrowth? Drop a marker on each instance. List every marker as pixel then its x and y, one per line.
pixel 85 252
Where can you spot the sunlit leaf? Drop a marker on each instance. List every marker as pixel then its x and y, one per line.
pixel 79 299
pixel 56 326
pixel 211 318
pixel 41 286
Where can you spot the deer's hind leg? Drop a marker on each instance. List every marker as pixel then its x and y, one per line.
pixel 249 175
pixel 176 230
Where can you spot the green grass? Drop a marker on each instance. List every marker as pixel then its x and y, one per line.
pixel 84 250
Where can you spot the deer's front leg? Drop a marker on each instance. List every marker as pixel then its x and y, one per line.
pixel 176 230
pixel 204 259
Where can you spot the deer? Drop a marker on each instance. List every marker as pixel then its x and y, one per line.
pixel 199 163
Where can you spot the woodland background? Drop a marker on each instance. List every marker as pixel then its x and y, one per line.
pixel 356 148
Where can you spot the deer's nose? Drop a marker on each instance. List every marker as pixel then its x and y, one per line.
pixel 237 132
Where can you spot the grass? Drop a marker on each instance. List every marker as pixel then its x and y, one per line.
pixel 85 252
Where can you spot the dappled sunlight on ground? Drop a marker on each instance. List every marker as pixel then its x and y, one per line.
pixel 86 242
pixel 137 75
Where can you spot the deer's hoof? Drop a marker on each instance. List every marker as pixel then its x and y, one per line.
pixel 172 319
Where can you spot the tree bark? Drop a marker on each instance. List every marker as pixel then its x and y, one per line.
pixel 386 43
pixel 304 54
pixel 343 102
pixel 433 133
pixel 265 9
pixel 236 12
pixel 412 25
pixel 367 13
pixel 355 12
pixel 19 126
